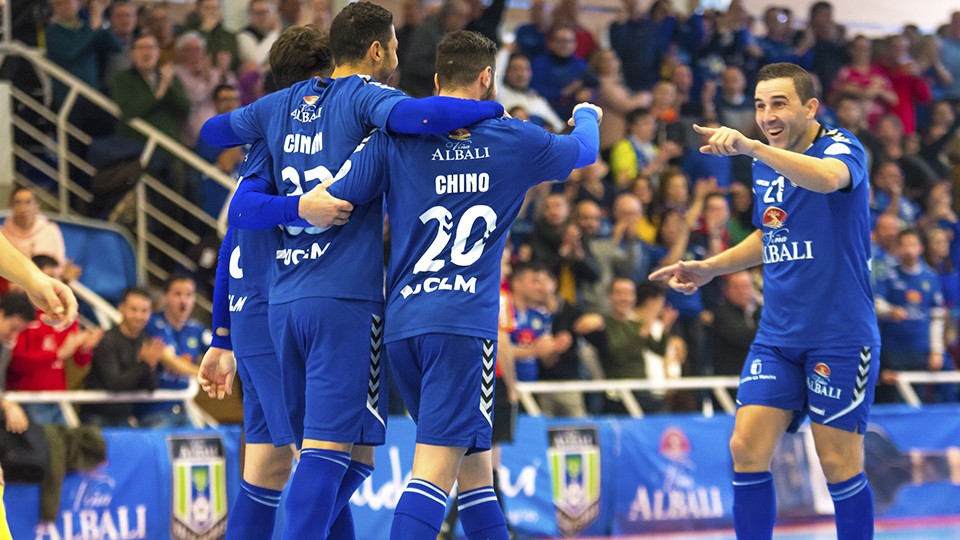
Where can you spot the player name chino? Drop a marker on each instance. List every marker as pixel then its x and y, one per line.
pixel 449 184
pixel 779 250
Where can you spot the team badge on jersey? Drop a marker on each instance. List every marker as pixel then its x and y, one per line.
pixel 822 370
pixel 774 217
pixel 199 506
pixel 308 111
pixel 574 457
pixel 914 296
pixel 460 134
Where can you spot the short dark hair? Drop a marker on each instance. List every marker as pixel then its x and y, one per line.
pixel 522 268
pixel 301 52
pixel 44 261
pixel 18 189
pixel 135 291
pixel 223 87
pixel 173 278
pixel 461 56
pixel 636 114
pixel 17 304
pixel 911 231
pixel 818 7
pixel 355 28
pixel 648 290
pixel 802 81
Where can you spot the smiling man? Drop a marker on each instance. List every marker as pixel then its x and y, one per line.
pixel 817 345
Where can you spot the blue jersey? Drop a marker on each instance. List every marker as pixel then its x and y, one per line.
pixel 918 293
pixel 251 272
pixel 816 253
pixel 311 129
pixel 451 200
pixel 530 325
pixel 193 339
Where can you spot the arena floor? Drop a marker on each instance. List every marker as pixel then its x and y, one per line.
pixel 915 529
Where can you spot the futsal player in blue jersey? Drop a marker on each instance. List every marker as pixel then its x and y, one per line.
pixel 241 292
pixel 326 298
pixel 817 346
pixel 451 199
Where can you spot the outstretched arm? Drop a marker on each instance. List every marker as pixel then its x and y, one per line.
pixel 688 276
pixel 52 296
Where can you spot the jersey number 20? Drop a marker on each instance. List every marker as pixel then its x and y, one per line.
pixel 459 254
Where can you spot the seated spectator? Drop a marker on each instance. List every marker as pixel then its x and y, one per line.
pixel 613 97
pixel 412 11
pixel 33 234
pixel 937 256
pixel 291 13
pixel 125 360
pixel 221 43
pixel 851 116
pixel 884 247
pixel 699 166
pixel 637 154
pixel 635 258
pixel 741 210
pixel 627 338
pixel 254 41
pixel 911 312
pixel 16 313
pixel 943 129
pixel 595 187
pixel 199 78
pixel 734 324
pixel 516 92
pixel 950 55
pixel 829 53
pixel 185 339
pixel 558 75
pixel 39 358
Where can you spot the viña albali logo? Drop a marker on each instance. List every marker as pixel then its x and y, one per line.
pixel 574 458
pixel 199 506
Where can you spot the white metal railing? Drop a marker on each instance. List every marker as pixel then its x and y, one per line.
pixel 66 400
pixel 719 386
pixel 149 217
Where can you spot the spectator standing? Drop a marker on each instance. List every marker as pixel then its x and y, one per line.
pixel 185 340
pixel 16 313
pixel 219 41
pixel 567 14
pixel 39 358
pixel 884 246
pixel 734 324
pixel 516 92
pixel 412 18
pixel 829 54
pixel 733 106
pixel 911 312
pixel 159 24
pixel 531 337
pixel 151 91
pixel 226 98
pixel 290 12
pixel 125 360
pixel 950 55
pixel 779 44
pixel 637 154
pixel 531 38
pixel 558 75
pixel 418 68
pixel 866 80
pixel 77 46
pixel 634 37
pixel 888 196
pixel 910 88
pixel 613 97
pixel 123 26
pixel 254 42
pixel 199 78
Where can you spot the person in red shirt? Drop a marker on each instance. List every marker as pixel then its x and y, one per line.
pixel 38 359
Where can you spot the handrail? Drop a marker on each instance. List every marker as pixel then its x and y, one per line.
pixel 107 315
pixel 624 388
pixel 66 400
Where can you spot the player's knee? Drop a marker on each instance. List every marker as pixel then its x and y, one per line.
pixel 746 456
pixel 838 466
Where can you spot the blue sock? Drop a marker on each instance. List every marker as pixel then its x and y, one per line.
pixel 419 513
pixel 754 505
pixel 853 508
pixel 342 526
pixel 481 516
pixel 313 491
pixel 254 513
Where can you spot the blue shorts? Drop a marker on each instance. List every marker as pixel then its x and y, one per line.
pixel 265 418
pixel 447 383
pixel 834 386
pixel 332 368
